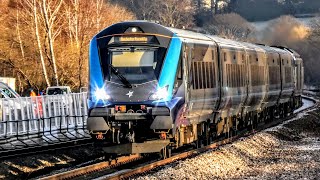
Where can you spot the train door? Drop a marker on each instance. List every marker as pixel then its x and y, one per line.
pixel 247 79
pixel 186 74
pixel 288 76
pixel 196 90
pixel 201 83
pixel 210 80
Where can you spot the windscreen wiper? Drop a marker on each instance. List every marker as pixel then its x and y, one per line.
pixel 120 76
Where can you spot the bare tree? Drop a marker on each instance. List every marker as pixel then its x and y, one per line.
pixel 84 19
pixel 19 35
pixel 49 12
pixel 48 32
pixel 32 6
pixel 230 26
pixel 177 13
pixel 144 9
pixel 285 30
pixel 315 31
pixel 288 31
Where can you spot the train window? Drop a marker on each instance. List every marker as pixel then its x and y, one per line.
pixel 274 75
pixel 203 75
pixel 288 77
pixel 212 54
pixel 209 75
pixel 235 75
pixel 238 75
pixel 228 77
pixel 192 53
pixel 244 74
pixel 180 72
pixel 257 75
pixel 195 75
pixel 202 53
pixel 202 67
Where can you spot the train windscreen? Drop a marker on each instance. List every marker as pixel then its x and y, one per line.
pixel 137 65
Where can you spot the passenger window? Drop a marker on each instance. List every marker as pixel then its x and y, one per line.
pixel 192 54
pixel 180 72
pixel 257 75
pixel 212 54
pixel 202 67
pixel 235 75
pixel 203 75
pixel 202 53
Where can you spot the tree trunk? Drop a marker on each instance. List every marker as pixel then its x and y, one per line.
pixel 39 43
pixel 19 36
pixel 50 41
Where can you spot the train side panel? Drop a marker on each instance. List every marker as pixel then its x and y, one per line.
pixel 257 80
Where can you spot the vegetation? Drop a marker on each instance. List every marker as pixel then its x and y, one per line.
pixel 45 42
pixel 231 26
pixel 177 13
pixel 287 31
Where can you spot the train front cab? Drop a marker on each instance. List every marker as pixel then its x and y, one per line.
pixel 134 87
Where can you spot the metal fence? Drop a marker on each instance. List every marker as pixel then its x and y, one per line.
pixel 39 120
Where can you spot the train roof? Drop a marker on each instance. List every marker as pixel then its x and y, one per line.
pixel 185 36
pixel 195 36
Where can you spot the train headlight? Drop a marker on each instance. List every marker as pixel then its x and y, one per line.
pixel 161 94
pixel 100 94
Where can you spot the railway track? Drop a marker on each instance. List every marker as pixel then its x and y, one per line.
pixel 6 154
pixel 121 169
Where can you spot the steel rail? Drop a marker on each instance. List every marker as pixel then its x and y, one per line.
pixel 94 167
pixel 45 148
pixel 127 173
pixel 139 170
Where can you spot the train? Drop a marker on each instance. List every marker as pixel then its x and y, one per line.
pixel 154 88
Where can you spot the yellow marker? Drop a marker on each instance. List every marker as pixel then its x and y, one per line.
pixel 132 39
